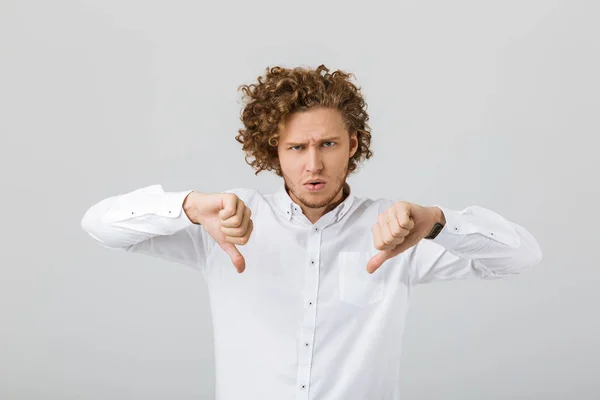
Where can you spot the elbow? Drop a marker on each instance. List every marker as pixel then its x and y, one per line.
pixel 530 256
pixel 539 256
pixel 533 251
pixel 527 256
pixel 92 225
pixel 87 222
pixel 536 255
pixel 91 222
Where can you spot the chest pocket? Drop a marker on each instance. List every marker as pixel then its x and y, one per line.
pixel 356 285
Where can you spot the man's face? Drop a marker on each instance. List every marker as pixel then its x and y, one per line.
pixel 314 145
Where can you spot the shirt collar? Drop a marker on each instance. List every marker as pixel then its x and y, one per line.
pixel 285 203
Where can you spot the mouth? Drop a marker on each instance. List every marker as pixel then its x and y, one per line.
pixel 314 186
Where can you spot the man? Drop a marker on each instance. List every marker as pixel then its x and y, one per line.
pixel 309 287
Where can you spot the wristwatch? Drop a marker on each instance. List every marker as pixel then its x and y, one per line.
pixel 437 228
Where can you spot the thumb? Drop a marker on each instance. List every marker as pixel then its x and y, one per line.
pixel 236 257
pixel 378 259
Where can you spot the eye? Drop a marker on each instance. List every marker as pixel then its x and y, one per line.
pixel 294 147
pixel 332 144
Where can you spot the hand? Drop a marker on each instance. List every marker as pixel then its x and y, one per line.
pixel 399 228
pixel 225 218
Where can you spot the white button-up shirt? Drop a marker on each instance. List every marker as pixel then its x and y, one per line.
pixel 305 320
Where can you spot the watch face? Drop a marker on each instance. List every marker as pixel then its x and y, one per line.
pixel 437 228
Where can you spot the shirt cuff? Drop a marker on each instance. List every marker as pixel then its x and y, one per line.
pixel 454 230
pixel 151 201
pixel 173 207
pixel 475 220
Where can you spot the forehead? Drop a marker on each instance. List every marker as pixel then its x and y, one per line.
pixel 312 124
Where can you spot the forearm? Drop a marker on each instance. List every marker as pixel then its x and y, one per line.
pixel 496 244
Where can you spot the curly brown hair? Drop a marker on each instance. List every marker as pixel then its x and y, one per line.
pixel 283 91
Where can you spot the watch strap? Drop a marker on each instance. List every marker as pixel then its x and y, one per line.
pixel 437 228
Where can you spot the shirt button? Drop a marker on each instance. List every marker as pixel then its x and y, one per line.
pixel 306 344
pixel 312 263
pixel 316 229
pixel 303 386
pixel 310 303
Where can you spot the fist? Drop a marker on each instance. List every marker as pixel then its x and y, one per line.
pixel 226 218
pixel 399 228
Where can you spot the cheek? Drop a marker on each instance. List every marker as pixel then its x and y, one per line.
pixel 290 166
pixel 341 160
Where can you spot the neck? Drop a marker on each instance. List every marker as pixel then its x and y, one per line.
pixel 335 203
pixel 312 214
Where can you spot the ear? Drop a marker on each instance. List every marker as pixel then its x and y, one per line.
pixel 353 143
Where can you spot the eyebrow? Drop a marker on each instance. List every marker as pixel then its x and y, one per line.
pixel 325 139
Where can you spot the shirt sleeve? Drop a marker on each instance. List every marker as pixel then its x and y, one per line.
pixel 474 243
pixel 150 221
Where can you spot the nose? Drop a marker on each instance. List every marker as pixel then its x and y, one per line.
pixel 314 164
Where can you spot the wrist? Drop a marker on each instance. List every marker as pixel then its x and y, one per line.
pixel 438 216
pixel 190 207
pixel 437 222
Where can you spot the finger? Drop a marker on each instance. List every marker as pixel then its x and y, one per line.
pixel 373 265
pixel 241 240
pixel 404 220
pixel 384 231
pixel 250 229
pixel 385 234
pixel 236 220
pixel 377 237
pixel 397 230
pixel 241 230
pixel 411 240
pixel 236 257
pixel 376 261
pixel 397 233
pixel 229 204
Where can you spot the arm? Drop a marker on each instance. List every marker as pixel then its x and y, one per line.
pixel 474 243
pixel 149 221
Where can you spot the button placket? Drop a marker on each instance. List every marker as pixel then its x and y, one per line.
pixel 307 329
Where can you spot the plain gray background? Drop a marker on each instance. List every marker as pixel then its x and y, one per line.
pixel 471 103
